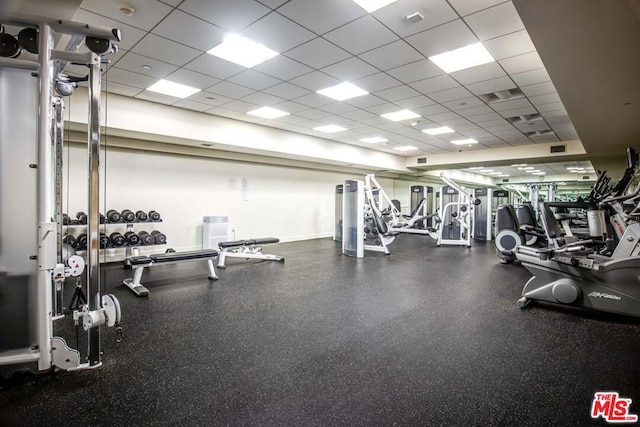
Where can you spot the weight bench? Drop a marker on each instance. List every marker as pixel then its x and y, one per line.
pixel 247 249
pixel 138 263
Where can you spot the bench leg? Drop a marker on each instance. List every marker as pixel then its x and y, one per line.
pixel 212 270
pixel 135 285
pixel 221 258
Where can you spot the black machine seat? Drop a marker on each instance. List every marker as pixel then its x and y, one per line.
pixel 251 242
pixel 506 218
pixel 549 222
pixel 417 209
pixel 526 215
pixel 181 256
pixel 140 260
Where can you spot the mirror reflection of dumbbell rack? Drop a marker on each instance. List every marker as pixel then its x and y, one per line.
pixel 129 240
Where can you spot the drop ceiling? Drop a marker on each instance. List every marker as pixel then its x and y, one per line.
pixel 323 43
pixel 586 47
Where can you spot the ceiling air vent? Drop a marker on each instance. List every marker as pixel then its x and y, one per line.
pixel 585 176
pixel 526 118
pixel 559 149
pixel 422 161
pixel 540 133
pixel 505 180
pixel 502 95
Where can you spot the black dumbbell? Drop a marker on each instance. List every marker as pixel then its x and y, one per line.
pixel 154 216
pixel 132 238
pixel 142 216
pixel 104 241
pixel 170 251
pixel 114 216
pixel 65 219
pixel 81 217
pixel 160 238
pixel 117 240
pixel 70 240
pixel 128 216
pixel 82 241
pixel 146 238
pixel 103 220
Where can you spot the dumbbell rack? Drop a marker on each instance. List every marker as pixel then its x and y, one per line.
pixel 129 226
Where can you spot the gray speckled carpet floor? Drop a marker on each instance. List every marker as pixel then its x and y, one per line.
pixel 425 336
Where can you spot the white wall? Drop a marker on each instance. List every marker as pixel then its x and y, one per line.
pixel 288 203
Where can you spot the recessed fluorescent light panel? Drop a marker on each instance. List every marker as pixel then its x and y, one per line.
pixel 459 59
pixel 268 113
pixel 495 173
pixel 438 131
pixel 476 168
pixel 343 91
pixel 373 5
pixel 528 168
pixel 374 139
pixel 405 148
pixel 400 115
pixel 485 170
pixel 242 51
pixel 330 128
pixel 538 173
pixel 503 175
pixel 467 141
pixel 177 90
pixel 519 164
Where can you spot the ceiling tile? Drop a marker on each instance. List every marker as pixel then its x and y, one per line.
pixel 240 106
pixel 435 84
pixel 231 15
pixel 337 108
pixel 287 91
pixel 153 12
pixel 120 89
pixel 538 89
pixel 554 106
pixel 350 69
pixel 157 97
pixel 282 68
pixel 318 53
pixel 230 90
pixel 548 98
pixel 495 21
pixel 531 77
pixel 361 35
pixel 134 62
pixel 397 93
pixel 430 110
pixel 273 4
pixel 165 50
pixel 130 35
pixel 521 63
pixel 129 78
pixel 486 118
pixel 392 55
pixel 315 81
pixel 191 105
pixel 262 99
pixel 376 82
pixel 416 101
pixel 223 112
pixel 490 86
pixel 466 7
pixel 192 78
pixel 214 66
pixel 209 98
pixel 190 30
pixel 452 35
pixel 450 94
pixel 365 101
pixel 415 71
pixel 277 32
pixel 358 115
pixel 480 73
pixel 321 16
pixel 254 79
pixel 464 103
pixel 435 12
pixel 442 117
pixel 510 45
pixel 290 107
pixel 313 100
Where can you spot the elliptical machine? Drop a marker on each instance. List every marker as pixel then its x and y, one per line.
pixel 576 275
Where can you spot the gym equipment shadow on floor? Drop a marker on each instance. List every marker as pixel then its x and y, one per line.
pixel 424 336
